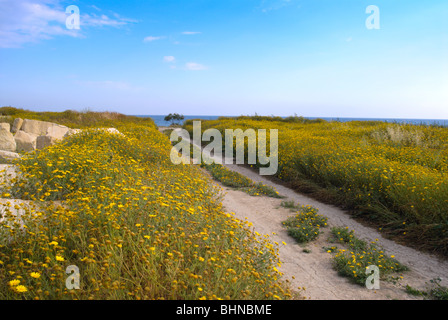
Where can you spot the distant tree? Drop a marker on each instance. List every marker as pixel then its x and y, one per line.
pixel 174 117
pixel 169 117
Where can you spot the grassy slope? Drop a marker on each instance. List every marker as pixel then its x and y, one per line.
pixel 136 226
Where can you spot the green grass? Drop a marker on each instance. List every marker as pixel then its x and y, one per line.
pixel 304 226
pixel 415 292
pixel 289 205
pixel 236 180
pixel 75 119
pixel 352 261
pixel 438 292
pixel 435 292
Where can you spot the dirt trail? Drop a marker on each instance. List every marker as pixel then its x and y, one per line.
pixel 313 270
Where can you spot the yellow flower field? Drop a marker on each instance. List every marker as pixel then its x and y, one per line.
pixel 136 226
pixel 393 174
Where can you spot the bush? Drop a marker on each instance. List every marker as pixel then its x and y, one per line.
pixel 353 261
pixel 305 226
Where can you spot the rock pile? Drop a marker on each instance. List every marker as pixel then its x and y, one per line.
pixel 28 135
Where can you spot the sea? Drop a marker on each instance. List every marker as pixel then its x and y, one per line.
pixel 159 120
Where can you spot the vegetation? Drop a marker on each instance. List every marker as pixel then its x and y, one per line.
pixel 304 226
pixel 290 205
pixel 392 175
pixel 358 255
pixel 235 180
pixel 174 117
pixel 136 226
pixel 434 292
pixel 231 178
pixel 75 119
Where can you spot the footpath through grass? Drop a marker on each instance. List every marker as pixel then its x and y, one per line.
pixel 236 180
pixel 394 175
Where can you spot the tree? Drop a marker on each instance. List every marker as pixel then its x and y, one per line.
pixel 174 117
pixel 169 117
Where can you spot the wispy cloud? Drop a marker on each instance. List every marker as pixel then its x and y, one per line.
pixel 95 7
pixel 193 66
pixel 152 38
pixel 169 59
pixel 93 20
pixel 191 32
pixel 31 21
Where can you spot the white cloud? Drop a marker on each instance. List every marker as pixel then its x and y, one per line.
pixel 95 7
pixel 191 32
pixel 193 66
pixel 169 59
pixel 30 21
pixel 93 20
pixel 152 38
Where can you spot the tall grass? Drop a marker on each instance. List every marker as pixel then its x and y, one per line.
pixel 392 174
pixel 75 119
pixel 136 226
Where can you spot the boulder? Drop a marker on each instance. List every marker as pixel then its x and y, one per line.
pixel 5 126
pixel 72 131
pixel 7 173
pixel 17 125
pixel 7 142
pixel 57 132
pixel 36 127
pixel 6 156
pixel 44 141
pixel 25 141
pixel 112 130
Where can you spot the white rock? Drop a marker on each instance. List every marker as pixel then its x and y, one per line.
pixel 113 131
pixel 7 142
pixel 25 141
pixel 7 173
pixel 36 127
pixel 8 155
pixel 72 132
pixel 17 125
pixel 44 141
pixel 5 126
pixel 57 132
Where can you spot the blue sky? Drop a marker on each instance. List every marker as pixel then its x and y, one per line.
pixel 313 58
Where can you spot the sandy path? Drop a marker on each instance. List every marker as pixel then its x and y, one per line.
pixel 313 270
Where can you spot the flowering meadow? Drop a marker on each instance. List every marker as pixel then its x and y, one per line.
pixel 394 175
pixel 136 226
